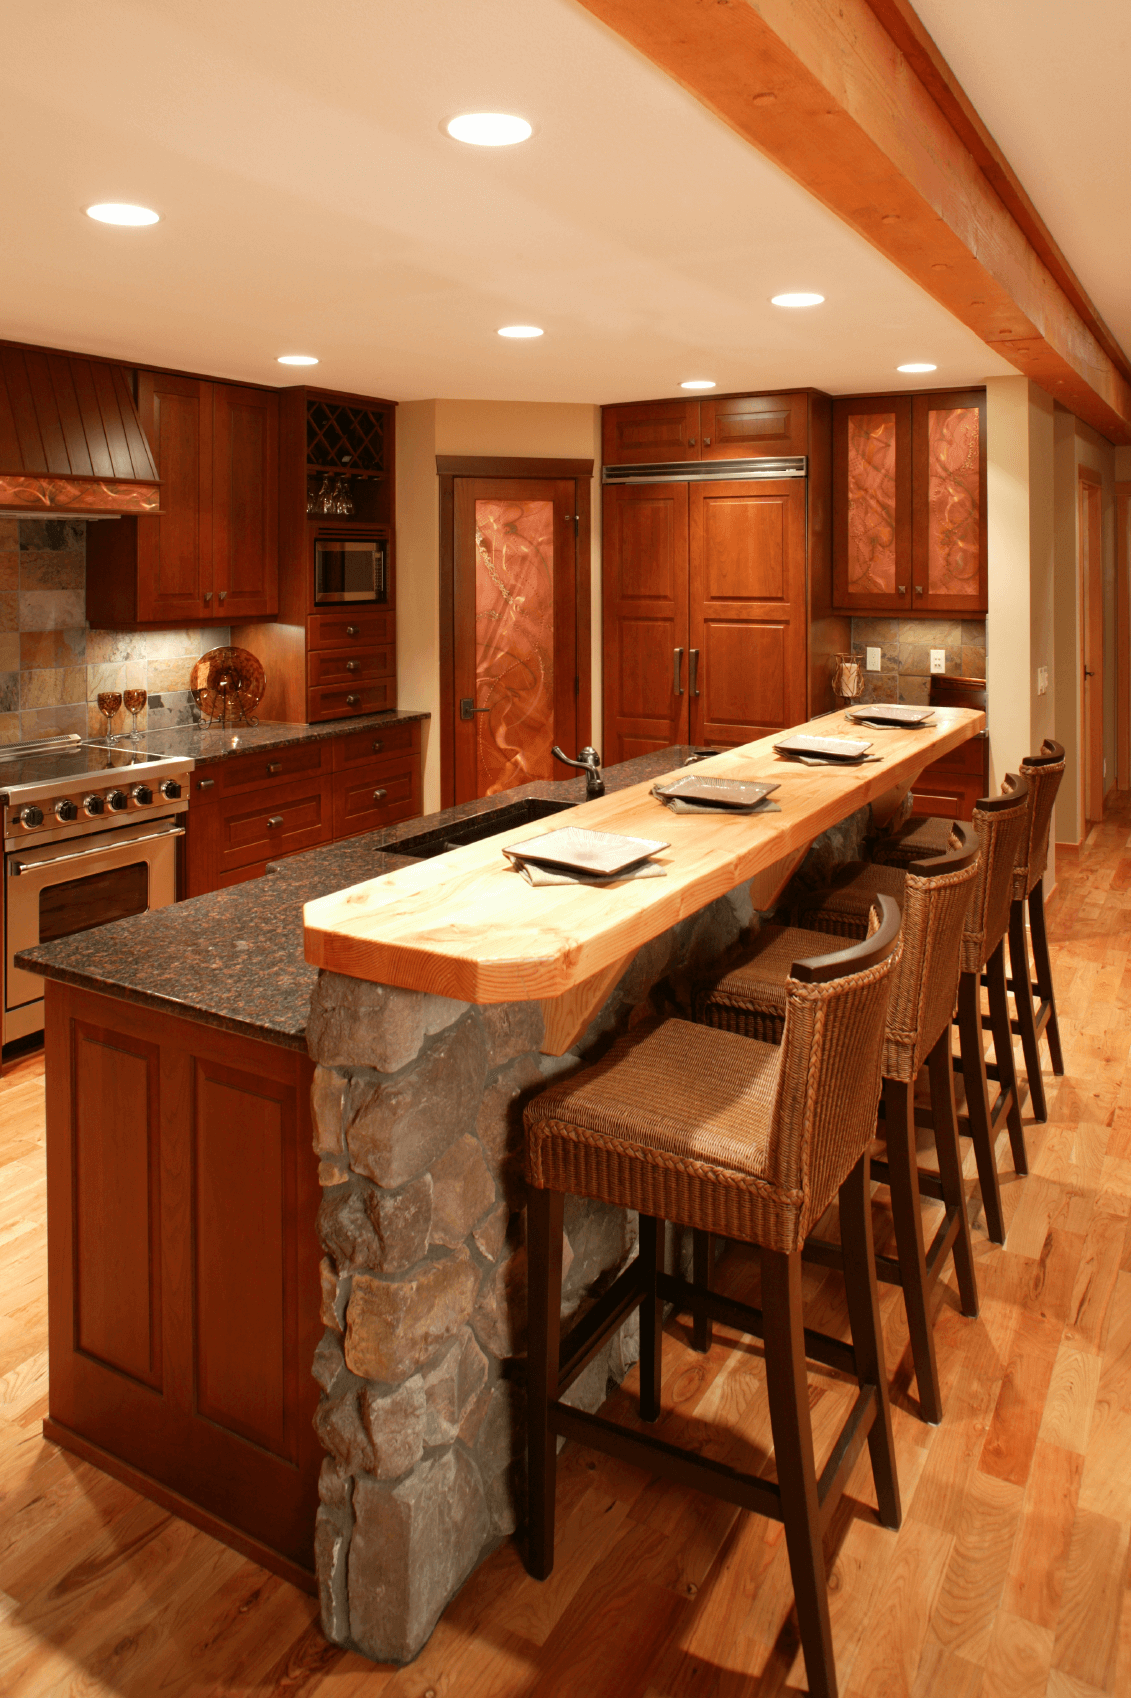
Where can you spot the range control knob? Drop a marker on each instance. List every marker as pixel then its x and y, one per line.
pixel 142 795
pixel 30 817
pixel 66 811
pixel 117 800
pixel 94 804
pixel 170 789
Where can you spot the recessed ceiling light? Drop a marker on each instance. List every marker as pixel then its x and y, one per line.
pixel 489 129
pixel 917 365
pixel 698 383
pixel 800 299
pixel 115 212
pixel 297 359
pixel 520 330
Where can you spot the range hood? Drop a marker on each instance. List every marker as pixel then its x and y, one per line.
pixel 70 438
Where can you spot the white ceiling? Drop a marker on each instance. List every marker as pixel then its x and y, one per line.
pixel 312 203
pixel 1052 83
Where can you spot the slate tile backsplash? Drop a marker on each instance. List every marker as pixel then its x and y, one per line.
pixel 52 666
pixel 905 654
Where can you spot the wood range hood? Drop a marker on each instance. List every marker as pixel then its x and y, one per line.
pixel 70 438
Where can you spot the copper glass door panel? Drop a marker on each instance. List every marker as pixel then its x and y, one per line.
pixel 515 633
pixel 949 546
pixel 644 569
pixel 741 427
pixel 872 566
pixel 650 433
pixel 747 620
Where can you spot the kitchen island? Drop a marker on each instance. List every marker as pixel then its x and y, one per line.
pixel 451 992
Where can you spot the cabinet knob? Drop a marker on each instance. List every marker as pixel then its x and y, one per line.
pixel 353 666
pixel 223 595
pixel 706 442
pixel 275 821
pixel 379 795
pixel 208 595
pixel 353 630
pixel 378 746
pixel 352 701
pixel 691 442
pixel 901 589
pixel 918 589
pixel 274 766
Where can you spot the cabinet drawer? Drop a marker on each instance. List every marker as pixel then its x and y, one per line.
pixel 342 630
pixel 329 702
pixel 271 767
pixel 349 666
pixel 367 799
pixel 378 742
pixel 260 828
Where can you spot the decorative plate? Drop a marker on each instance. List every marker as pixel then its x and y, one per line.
pixel 889 713
pixel 717 792
pixel 581 851
pixel 227 681
pixel 828 748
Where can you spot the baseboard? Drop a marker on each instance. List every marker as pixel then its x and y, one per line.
pixel 147 1487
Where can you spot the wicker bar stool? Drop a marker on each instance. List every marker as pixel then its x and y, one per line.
pixel 752 1140
pixel 749 998
pixel 1043 773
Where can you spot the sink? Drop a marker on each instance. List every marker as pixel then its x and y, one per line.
pixel 454 835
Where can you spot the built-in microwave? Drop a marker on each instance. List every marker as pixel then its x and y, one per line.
pixel 350 569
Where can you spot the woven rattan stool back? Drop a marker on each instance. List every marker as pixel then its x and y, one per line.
pixel 1000 823
pixel 925 984
pixel 1043 774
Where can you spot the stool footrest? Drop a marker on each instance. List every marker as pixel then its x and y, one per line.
pixel 583 1341
pixel 833 1352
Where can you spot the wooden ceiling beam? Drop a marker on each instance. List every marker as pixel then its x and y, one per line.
pixel 856 104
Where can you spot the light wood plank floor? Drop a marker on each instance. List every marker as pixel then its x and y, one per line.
pixel 1008 1578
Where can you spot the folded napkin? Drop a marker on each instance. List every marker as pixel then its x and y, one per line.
pixel 538 875
pixel 679 805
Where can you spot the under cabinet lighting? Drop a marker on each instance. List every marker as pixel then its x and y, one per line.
pixel 917 365
pixel 117 212
pixel 698 383
pixel 297 359
pixel 520 331
pixel 799 299
pixel 489 129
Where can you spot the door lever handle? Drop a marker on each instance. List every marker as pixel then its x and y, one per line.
pixel 468 709
pixel 693 671
pixel 678 686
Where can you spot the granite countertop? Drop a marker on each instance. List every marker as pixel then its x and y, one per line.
pixel 234 959
pixel 203 745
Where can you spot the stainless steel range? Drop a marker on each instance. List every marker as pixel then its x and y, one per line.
pixel 90 834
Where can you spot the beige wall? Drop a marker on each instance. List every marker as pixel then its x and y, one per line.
pixel 520 429
pixel 1010 670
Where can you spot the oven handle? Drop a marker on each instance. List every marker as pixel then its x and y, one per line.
pixel 15 868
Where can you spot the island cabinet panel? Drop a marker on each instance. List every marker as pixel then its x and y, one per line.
pixel 183 1268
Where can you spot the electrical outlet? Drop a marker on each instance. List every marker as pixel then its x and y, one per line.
pixel 1042 680
pixel 872 660
pixel 938 660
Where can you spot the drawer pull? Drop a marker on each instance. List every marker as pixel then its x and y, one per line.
pixel 275 821
pixel 274 766
pixel 353 666
pixel 379 795
pixel 206 784
pixel 353 630
pixel 352 701
pixel 378 745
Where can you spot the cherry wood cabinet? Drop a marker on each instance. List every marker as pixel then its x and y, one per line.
pixel 705 613
pixel 211 555
pixel 909 503
pixel 183 1288
pixel 723 427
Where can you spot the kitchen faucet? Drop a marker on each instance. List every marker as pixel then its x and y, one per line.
pixel 590 763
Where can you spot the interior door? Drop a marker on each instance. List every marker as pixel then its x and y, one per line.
pixel 644 569
pixel 747 663
pixel 515 631
pixel 1092 656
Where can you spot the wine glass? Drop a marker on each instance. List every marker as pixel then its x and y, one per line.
pixel 135 700
pixel 109 701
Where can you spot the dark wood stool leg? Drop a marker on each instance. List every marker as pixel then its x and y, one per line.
pixel 545 1210
pixel 1023 1002
pixel 907 1213
pixel 1043 964
pixel 1003 1054
pixel 702 1267
pixel 978 1101
pixel 867 1336
pixel 788 1388
pixel 652 1235
pixel 949 1152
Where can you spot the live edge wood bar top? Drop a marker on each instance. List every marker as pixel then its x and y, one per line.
pixel 466 925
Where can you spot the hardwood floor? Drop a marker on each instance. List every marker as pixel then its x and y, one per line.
pixel 1008 1579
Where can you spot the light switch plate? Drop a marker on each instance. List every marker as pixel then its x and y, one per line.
pixel 938 660
pixel 1042 680
pixel 872 660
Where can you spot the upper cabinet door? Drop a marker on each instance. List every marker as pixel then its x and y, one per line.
pixel 174 550
pixel 245 502
pixel 949 502
pixel 872 504
pixel 748 427
pixel 649 432
pixel 644 572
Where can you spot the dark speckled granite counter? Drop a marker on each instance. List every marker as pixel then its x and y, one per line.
pixel 234 959
pixel 203 745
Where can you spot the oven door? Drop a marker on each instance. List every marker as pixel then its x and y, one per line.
pixel 63 888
